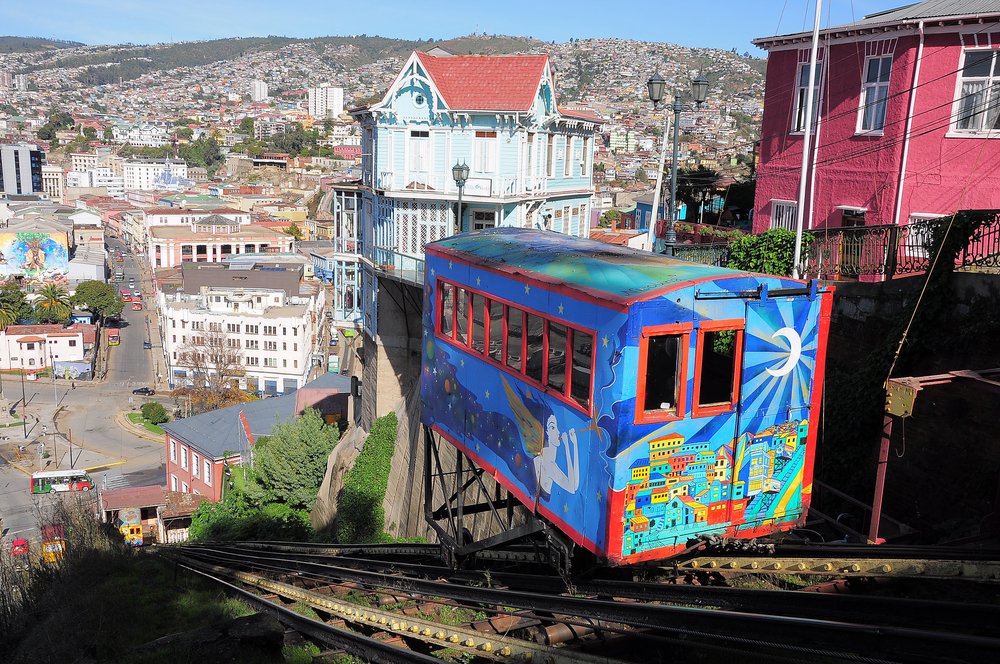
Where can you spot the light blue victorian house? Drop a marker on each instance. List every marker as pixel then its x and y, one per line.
pixel 529 165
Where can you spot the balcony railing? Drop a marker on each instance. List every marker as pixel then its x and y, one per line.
pixel 400 267
pixel 500 187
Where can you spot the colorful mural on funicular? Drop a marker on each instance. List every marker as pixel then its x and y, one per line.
pixel 624 490
pixel 42 258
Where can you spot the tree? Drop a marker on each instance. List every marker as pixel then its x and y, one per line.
pixel 290 463
pixel 154 412
pixel 98 297
pixel 52 305
pixel 109 134
pixel 90 133
pixel 608 218
pixel 185 132
pixel 694 185
pixel 216 361
pixel 246 126
pixel 294 230
pixel 13 305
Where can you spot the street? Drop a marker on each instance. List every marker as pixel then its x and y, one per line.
pixel 86 412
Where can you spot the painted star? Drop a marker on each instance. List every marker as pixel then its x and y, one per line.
pixel 487 395
pixel 527 289
pixel 463 362
pixel 560 308
pixel 477 281
pixel 605 340
pixel 450 265
pixel 599 496
pixel 432 272
pixel 566 508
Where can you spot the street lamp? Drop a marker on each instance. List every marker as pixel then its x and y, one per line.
pixel 657 88
pixel 461 173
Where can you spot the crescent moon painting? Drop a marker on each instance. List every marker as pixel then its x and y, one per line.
pixel 795 350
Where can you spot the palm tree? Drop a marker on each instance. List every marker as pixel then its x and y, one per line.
pixel 52 305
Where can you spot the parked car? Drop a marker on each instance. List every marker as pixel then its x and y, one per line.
pixel 146 345
pixel 148 391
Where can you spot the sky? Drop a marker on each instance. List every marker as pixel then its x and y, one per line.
pixel 725 24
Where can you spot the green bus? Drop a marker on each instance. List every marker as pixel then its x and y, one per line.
pixel 61 480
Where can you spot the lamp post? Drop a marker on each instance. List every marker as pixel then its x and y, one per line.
pixel 657 88
pixel 461 173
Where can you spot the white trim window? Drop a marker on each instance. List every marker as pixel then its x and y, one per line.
pixel 173 483
pixel 184 457
pixel 173 451
pixel 486 152
pixel 875 94
pixel 783 214
pixel 801 88
pixel 978 92
pixel 208 472
pixel 568 158
pixel 194 463
pixel 916 238
pixel 585 157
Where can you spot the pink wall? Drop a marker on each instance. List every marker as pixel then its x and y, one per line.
pixel 195 484
pixel 863 170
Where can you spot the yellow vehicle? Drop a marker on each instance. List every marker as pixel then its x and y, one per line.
pixel 53 542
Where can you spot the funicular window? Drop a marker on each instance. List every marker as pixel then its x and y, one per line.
pixel 556 378
pixel 462 317
pixel 515 323
pixel 662 373
pixel 447 309
pixel 583 354
pixel 496 330
pixel 477 304
pixel 535 361
pixel 717 365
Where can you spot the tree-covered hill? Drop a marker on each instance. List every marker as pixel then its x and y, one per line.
pixel 11 44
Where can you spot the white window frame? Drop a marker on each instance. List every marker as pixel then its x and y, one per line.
pixel 173 483
pixel 485 153
pixel 419 149
pixel 783 214
pixel 208 472
pixel 550 155
pixel 991 84
pixel 585 157
pixel 184 457
pixel 194 463
pixel 799 101
pixel 568 157
pixel 185 488
pixel 918 248
pixel 173 450
pixel 483 223
pixel 879 89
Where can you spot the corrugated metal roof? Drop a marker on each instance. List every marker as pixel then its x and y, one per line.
pixel 933 9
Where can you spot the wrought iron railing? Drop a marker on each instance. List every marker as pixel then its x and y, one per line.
pixel 709 254
pixel 398 266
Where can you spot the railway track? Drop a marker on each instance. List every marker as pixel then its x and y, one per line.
pixel 624 618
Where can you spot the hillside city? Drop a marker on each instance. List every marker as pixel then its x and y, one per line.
pixel 351 324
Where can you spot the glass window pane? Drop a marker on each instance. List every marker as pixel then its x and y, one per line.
pixel 880 104
pixel 478 304
pixel 447 310
pixel 662 359
pixel 718 367
pixel 536 356
pixel 515 320
pixel 496 331
pixel 557 357
pixel 873 66
pixel 583 349
pixel 883 76
pixel 462 324
pixel 977 63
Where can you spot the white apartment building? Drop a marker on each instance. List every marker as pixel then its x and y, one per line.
pixel 326 101
pixel 141 173
pixel 83 160
pixel 276 334
pixel 143 135
pixel 98 177
pixel 258 91
pixel 52 181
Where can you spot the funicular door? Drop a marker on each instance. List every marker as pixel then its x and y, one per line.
pixel 779 355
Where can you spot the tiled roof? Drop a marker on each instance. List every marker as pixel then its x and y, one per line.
pixel 486 82
pixel 30 339
pixel 142 496
pixel 181 504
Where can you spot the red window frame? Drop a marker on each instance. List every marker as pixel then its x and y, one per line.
pixel 566 394
pixel 738 325
pixel 641 415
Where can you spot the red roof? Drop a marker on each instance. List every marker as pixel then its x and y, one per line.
pixel 486 82
pixel 142 496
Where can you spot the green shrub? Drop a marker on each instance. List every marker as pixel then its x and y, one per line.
pixel 770 252
pixel 360 517
pixel 154 412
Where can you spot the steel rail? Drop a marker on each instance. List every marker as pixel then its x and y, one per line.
pixel 354 643
pixel 981 619
pixel 680 638
pixel 915 645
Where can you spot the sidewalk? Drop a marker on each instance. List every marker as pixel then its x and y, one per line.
pixel 122 420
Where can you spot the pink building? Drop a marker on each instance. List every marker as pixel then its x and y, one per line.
pixel 907 99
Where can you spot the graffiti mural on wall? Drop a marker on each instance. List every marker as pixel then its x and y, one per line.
pixel 41 258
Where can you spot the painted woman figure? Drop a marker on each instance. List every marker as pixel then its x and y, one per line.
pixel 547 468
